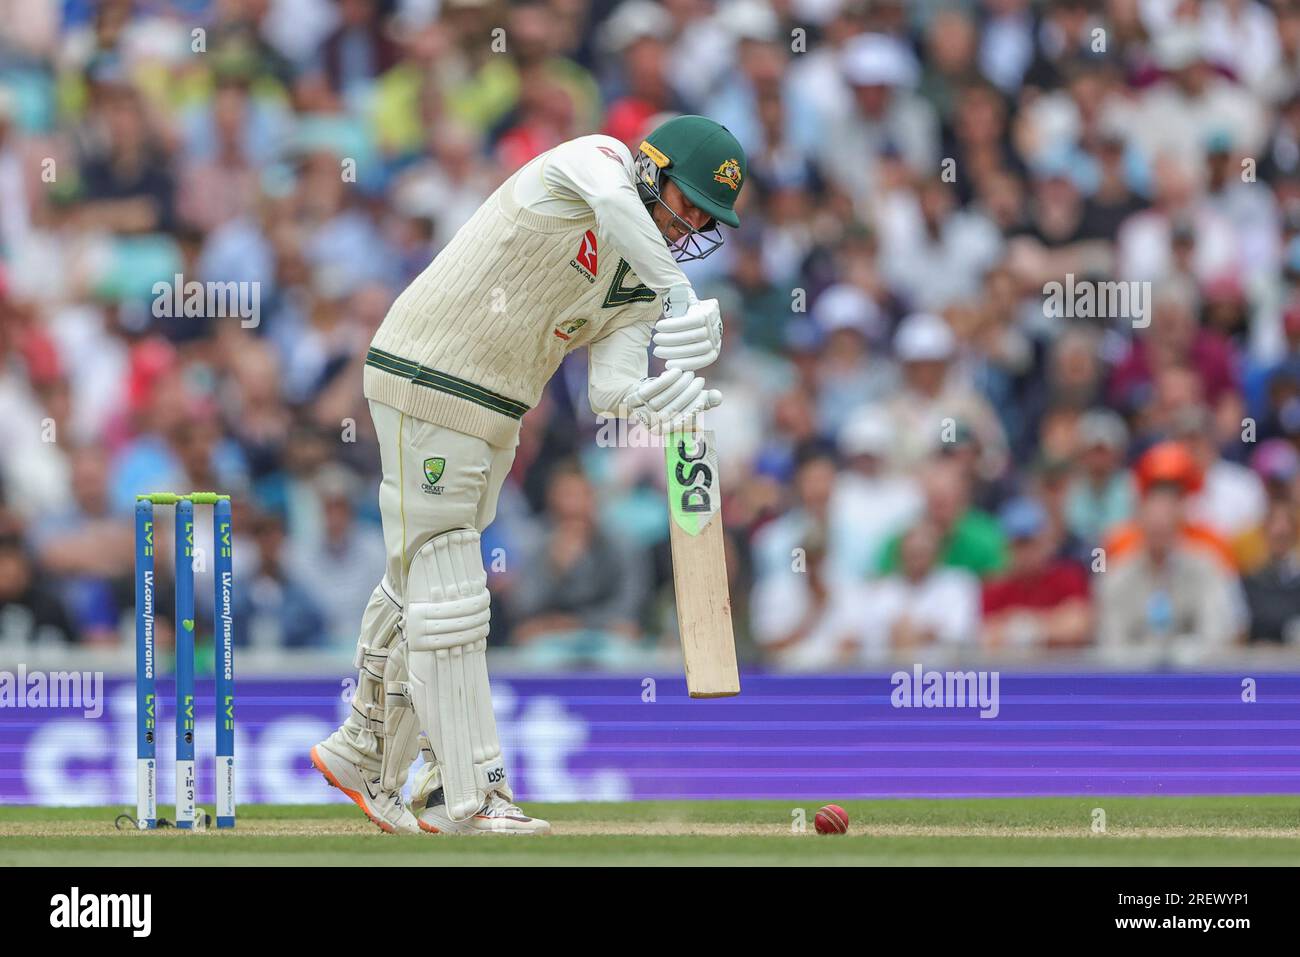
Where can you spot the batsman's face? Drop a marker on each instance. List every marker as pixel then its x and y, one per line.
pixel 676 200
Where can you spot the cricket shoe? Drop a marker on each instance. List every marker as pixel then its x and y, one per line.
pixel 384 808
pixel 496 816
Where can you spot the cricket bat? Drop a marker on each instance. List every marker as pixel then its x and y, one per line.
pixel 699 565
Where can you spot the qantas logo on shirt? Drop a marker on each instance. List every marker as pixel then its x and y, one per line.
pixel 585 261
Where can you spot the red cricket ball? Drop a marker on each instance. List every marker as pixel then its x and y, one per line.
pixel 831 819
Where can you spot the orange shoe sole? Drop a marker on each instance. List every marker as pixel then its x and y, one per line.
pixel 356 797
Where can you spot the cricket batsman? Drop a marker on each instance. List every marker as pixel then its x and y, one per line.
pixel 575 249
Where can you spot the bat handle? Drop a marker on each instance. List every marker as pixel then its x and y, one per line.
pixel 677 300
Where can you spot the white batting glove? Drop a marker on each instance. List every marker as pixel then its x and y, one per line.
pixel 692 340
pixel 668 401
pixel 708 399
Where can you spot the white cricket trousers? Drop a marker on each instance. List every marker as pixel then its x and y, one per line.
pixel 467 474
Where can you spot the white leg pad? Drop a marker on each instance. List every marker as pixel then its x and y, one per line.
pixel 446 633
pixel 361 738
pixel 401 728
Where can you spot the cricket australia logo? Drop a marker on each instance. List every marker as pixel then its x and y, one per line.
pixel 433 469
pixel 585 261
pixel 728 174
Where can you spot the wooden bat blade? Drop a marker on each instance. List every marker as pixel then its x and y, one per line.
pixel 704 613
pixel 699 566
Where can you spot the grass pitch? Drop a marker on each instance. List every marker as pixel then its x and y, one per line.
pixel 1034 831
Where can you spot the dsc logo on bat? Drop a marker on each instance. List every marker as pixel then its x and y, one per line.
pixel 695 498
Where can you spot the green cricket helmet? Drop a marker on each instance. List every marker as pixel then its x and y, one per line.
pixel 707 164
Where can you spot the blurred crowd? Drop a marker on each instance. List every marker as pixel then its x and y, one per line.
pixel 921 445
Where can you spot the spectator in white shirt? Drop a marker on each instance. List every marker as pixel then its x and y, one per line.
pixel 1232 500
pixel 887 116
pixel 15 220
pixel 1180 114
pixel 805 618
pixel 333 565
pixel 870 504
pixel 933 396
pixel 1242 35
pixel 923 604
